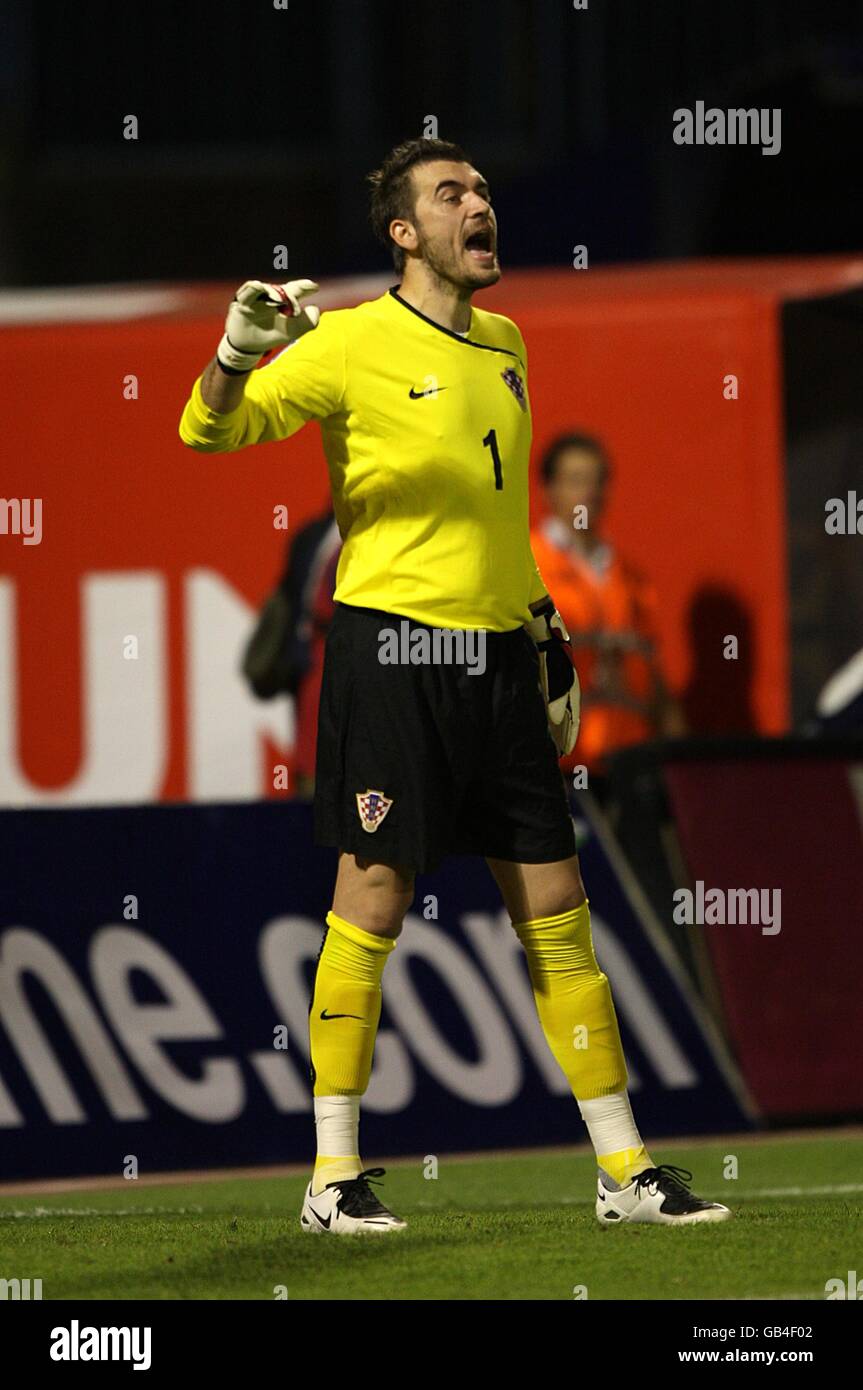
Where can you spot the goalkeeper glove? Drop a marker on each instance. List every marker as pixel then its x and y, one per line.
pixel 263 317
pixel 558 677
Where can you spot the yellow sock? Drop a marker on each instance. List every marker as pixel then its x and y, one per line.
pixel 573 1000
pixel 623 1165
pixel 346 1008
pixel 343 1022
pixel 620 1152
pixel 331 1169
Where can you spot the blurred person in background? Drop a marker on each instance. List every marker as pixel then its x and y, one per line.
pixel 285 652
pixel 607 605
pixel 318 611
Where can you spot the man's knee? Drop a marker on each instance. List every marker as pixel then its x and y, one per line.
pixel 373 895
pixel 563 890
pixel 388 893
pixel 567 900
pixel 533 891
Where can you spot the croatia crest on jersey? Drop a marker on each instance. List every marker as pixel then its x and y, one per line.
pixel 372 807
pixel 516 386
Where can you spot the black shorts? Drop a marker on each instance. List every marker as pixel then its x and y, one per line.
pixel 415 762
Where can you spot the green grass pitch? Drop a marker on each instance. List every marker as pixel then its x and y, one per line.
pixel 493 1227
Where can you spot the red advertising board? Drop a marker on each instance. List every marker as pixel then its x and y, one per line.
pixel 143 539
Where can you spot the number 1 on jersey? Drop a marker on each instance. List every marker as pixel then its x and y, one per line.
pixel 490 442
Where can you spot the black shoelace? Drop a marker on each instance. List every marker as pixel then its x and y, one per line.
pixel 357 1196
pixel 666 1177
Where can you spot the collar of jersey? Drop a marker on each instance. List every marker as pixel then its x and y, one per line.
pixel 469 342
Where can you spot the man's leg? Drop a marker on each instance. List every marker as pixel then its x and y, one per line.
pixel 369 905
pixel 550 914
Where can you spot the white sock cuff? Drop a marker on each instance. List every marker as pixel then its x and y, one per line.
pixel 337 1121
pixel 610 1123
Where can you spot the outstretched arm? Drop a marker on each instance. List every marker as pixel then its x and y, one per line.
pixel 231 405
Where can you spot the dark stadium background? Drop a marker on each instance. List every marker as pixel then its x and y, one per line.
pixel 566 111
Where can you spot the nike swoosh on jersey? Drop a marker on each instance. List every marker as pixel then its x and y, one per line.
pixel 326 1017
pixel 418 395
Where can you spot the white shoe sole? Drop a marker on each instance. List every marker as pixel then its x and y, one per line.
pixel 314 1229
pixel 691 1219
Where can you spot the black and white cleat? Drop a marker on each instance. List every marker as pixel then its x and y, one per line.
pixel 349 1207
pixel 659 1195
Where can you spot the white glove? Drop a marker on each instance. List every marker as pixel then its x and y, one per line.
pixel 262 317
pixel 557 675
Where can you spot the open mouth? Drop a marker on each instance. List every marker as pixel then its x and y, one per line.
pixel 480 245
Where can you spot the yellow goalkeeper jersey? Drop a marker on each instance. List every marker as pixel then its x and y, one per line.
pixel 427 439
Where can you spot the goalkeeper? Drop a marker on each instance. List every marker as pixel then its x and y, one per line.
pixel 425 419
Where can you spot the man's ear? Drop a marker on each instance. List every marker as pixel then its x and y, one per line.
pixel 404 234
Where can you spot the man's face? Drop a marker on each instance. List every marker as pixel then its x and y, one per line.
pixel 454 223
pixel 578 481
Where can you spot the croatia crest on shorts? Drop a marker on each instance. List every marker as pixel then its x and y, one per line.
pixel 372 807
pixel 516 385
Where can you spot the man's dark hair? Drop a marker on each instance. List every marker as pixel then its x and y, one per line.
pixel 573 440
pixel 392 186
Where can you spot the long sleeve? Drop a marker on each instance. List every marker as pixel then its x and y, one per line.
pixel 305 382
pixel 538 589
